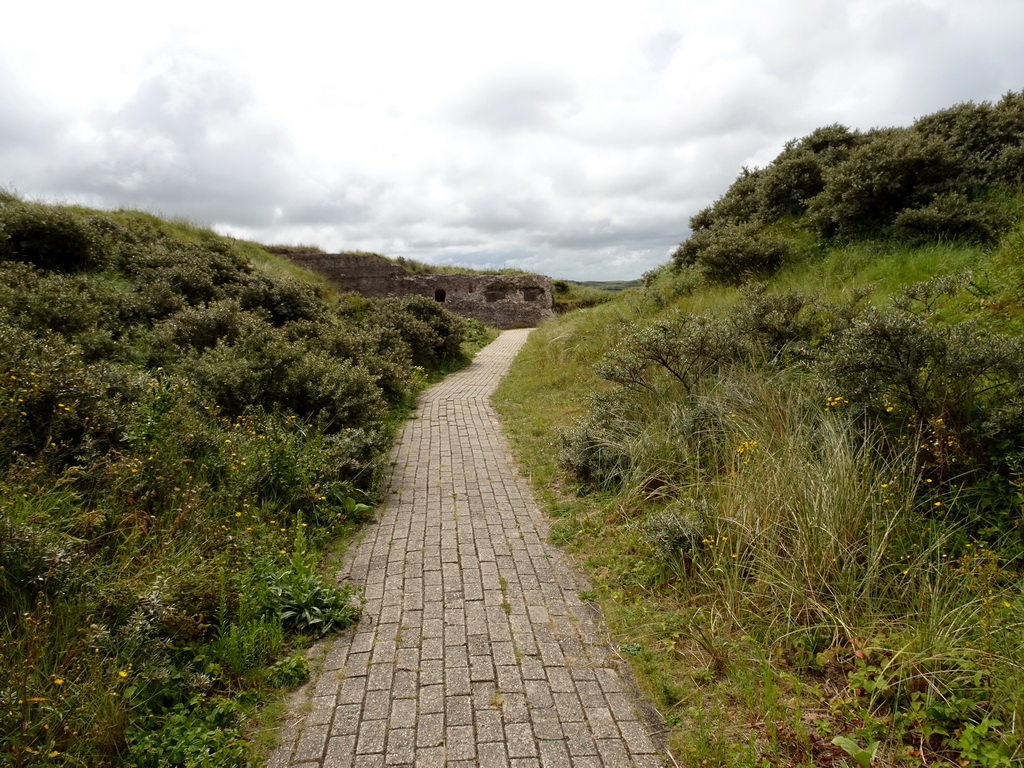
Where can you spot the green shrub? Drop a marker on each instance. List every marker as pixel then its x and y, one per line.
pixel 197 274
pixel 597 448
pixel 34 562
pixel 951 215
pixel 200 734
pixel 675 533
pixel 739 205
pixel 198 328
pixel 291 671
pixel 983 135
pixel 789 183
pixel 686 347
pixel 283 300
pixel 380 349
pixel 47 237
pixel 434 335
pixel 262 368
pixel 248 646
pixel 903 361
pixel 89 311
pixel 891 170
pixel 53 401
pixel 732 254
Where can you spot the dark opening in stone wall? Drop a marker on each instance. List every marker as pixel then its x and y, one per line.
pixel 495 292
pixel 532 293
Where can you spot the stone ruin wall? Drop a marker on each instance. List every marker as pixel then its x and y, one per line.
pixel 504 301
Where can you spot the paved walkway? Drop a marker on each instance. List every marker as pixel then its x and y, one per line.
pixel 474 648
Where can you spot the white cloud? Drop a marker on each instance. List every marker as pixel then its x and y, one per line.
pixel 572 138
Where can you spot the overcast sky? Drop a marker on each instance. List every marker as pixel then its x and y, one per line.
pixel 570 138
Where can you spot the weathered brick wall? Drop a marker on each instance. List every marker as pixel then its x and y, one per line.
pixel 504 301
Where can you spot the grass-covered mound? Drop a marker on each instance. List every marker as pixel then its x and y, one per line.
pixel 800 498
pixel 185 423
pixel 952 175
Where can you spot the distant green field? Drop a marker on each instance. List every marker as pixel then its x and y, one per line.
pixel 609 285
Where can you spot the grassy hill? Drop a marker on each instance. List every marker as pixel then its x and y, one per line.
pixel 791 463
pixel 187 423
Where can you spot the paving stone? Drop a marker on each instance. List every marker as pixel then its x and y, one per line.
pixel 376 705
pixel 431 699
pixel 431 757
pixel 401 746
pixel 458 710
pixel 312 743
pixel 371 737
pixel 559 680
pixel 569 708
pixel 613 753
pixel 602 723
pixel 322 711
pixel 519 740
pixel 488 726
pixel 514 708
pixel 380 677
pixel 346 719
pixel 636 738
pixel 341 751
pixel 405 684
pixel 538 694
pixel 621 706
pixel 492 755
pixel 546 725
pixel 459 742
pixel 430 730
pixel 579 740
pixel 647 761
pixel 553 754
pixel 403 713
pixel 456 681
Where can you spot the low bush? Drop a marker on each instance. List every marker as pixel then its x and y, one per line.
pixel 953 215
pixel 48 237
pixel 732 255
pixel 433 334
pixel 892 170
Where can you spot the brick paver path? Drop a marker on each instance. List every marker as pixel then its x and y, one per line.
pixel 475 647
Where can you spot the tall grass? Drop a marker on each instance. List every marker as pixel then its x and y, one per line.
pixel 764 553
pixel 882 267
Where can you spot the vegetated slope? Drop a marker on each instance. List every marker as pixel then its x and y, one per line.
pixel 183 427
pixel 415 267
pixel 570 295
pixel 795 468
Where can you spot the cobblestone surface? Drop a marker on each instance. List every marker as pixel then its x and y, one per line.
pixel 475 648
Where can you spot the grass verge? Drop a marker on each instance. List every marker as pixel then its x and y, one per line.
pixel 791 587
